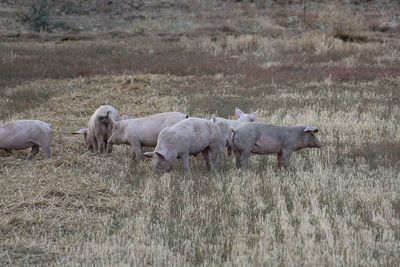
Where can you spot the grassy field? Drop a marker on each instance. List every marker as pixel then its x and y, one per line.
pixel 336 67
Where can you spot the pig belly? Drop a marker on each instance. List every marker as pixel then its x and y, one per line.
pixel 149 140
pixel 195 152
pixel 266 145
pixel 196 148
pixel 17 145
pixel 149 143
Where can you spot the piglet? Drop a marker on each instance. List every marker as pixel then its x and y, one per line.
pixel 99 129
pixel 142 131
pixel 187 137
pixel 262 138
pixel 22 134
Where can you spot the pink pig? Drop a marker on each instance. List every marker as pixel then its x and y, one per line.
pixel 99 129
pixel 187 137
pixel 22 134
pixel 262 138
pixel 142 131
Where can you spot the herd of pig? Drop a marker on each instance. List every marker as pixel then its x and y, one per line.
pixel 174 135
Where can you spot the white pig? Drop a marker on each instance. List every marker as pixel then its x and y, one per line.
pixel 99 129
pixel 262 138
pixel 226 126
pixel 142 131
pixel 187 137
pixel 22 134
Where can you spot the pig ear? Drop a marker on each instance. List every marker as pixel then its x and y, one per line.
pixel 238 113
pixel 311 129
pixel 81 131
pixel 148 154
pixel 253 116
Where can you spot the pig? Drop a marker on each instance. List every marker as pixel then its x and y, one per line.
pixel 99 129
pixel 188 137
pixel 22 134
pixel 226 125
pixel 261 138
pixel 142 131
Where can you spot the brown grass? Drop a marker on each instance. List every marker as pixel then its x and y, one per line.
pixel 113 210
pixel 335 206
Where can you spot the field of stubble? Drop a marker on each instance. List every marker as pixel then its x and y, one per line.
pixel 336 206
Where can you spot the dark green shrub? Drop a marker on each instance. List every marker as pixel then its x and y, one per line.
pixel 39 16
pixel 71 7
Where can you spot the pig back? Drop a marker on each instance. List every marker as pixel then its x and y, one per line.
pixel 101 114
pixel 147 129
pixel 168 119
pixel 200 133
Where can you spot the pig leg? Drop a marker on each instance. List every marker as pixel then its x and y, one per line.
pixel 100 147
pixel 206 157
pixel 34 152
pixel 237 157
pixel 242 159
pixel 136 150
pixel 100 144
pixel 47 151
pixel 109 148
pixel 286 158
pixel 213 159
pixel 93 144
pixel 185 161
pixel 132 154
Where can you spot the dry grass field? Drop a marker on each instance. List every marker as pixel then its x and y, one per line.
pixel 336 67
